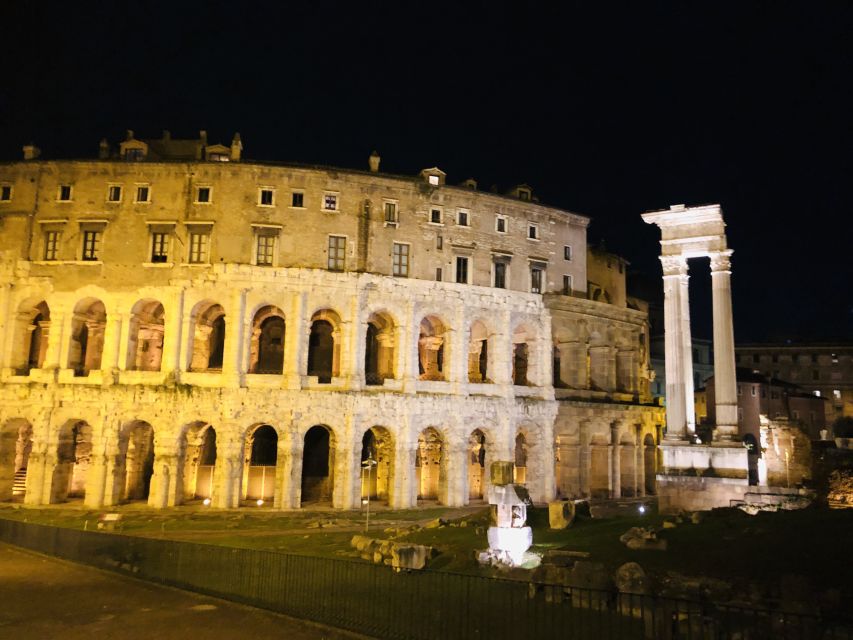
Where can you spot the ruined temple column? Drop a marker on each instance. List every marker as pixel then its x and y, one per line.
pixel 725 382
pixel 674 275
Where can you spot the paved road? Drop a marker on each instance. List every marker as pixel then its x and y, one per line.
pixel 44 598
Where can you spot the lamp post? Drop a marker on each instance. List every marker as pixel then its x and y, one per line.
pixel 367 465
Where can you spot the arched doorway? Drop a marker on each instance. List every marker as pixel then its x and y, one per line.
pixel 87 336
pixel 32 329
pixel 324 347
pixel 318 465
pixel 137 445
pixel 379 351
pixel 267 348
pixel 520 356
pixel 145 342
pixel 432 349
pixel 16 442
pixel 752 455
pixel 478 353
pixel 260 458
pixel 74 456
pixel 649 463
pixel 208 337
pixel 199 461
pixel 377 479
pixel 520 458
pixel 429 464
pixel 476 465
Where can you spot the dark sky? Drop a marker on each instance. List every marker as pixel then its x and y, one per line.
pixel 607 109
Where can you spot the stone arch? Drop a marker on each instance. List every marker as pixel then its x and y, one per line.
pixel 73 458
pixel 16 443
pixel 536 449
pixel 136 456
pixel 433 356
pixel 145 335
pixel 266 353
pixel 32 328
pixel 523 352
pixel 431 465
pixel 649 462
pixel 324 346
pixel 198 460
pixel 476 465
pixel 520 458
pixel 208 336
pixel 380 348
pixel 260 457
pixel 480 356
pixel 87 336
pixel 377 480
pixel 318 464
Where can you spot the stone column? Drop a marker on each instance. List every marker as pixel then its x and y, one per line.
pixel 615 470
pixel 115 343
pixel 288 472
pixel 405 494
pixel 296 344
pixel 166 489
pixel 454 470
pixel 725 381
pixel 687 350
pixel 173 334
pixel 228 472
pixel 674 272
pixel 235 322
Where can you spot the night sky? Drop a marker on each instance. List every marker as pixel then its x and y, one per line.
pixel 606 109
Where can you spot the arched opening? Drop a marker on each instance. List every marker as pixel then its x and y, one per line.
pixel 432 349
pixel 74 455
pixel 476 465
pixel 87 336
pixel 521 337
pixel 199 461
pixel 16 442
pixel 429 463
pixel 752 455
pixel 266 354
pixel 33 327
pixel 260 455
pixel 478 353
pixel 649 463
pixel 520 459
pixel 208 337
pixel 377 479
pixel 145 342
pixel 318 465
pixel 599 468
pixel 379 351
pixel 324 346
pixel 137 445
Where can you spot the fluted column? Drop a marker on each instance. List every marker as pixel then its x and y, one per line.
pixel 687 350
pixel 674 272
pixel 725 381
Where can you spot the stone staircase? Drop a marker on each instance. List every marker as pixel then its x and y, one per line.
pixel 19 484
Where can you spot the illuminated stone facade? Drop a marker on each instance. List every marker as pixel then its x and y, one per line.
pixel 181 324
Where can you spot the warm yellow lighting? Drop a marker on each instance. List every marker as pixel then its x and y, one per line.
pixel 260 503
pixel 206 502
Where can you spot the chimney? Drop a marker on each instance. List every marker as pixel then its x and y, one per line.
pixel 31 151
pixel 104 149
pixel 236 147
pixel 129 134
pixel 167 135
pixel 374 162
pixel 202 136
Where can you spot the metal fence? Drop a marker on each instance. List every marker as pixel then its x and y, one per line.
pixel 376 601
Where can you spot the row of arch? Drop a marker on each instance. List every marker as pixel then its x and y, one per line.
pixel 146 331
pixel 199 466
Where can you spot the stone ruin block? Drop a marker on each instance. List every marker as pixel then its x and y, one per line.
pixel 502 473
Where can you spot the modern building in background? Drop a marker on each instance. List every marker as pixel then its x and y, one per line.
pixel 179 323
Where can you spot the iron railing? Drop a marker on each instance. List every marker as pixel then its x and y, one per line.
pixel 377 601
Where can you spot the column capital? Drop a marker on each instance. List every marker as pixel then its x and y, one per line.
pixel 721 261
pixel 674 265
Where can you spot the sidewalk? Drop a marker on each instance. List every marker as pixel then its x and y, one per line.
pixel 44 598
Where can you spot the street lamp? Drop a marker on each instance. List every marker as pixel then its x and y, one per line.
pixel 367 465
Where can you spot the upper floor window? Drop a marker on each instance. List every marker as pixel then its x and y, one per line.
pixel 203 195
pixel 462 218
pixel 134 154
pixel 500 275
pixel 500 224
pixel 199 247
pixel 265 249
pixel 5 192
pixel 435 215
pixel 532 231
pixel 114 193
pixel 390 212
pixel 567 253
pixel 567 285
pixel 438 274
pixel 143 193
pixel 159 247
pixel 337 253
pixel 219 157
pixel 434 180
pixel 536 280
pixel 297 200
pixel 461 269
pixel 51 245
pixel 400 260
pixel 330 202
pixel 91 245
pixel 524 194
pixel 64 193
pixel 266 197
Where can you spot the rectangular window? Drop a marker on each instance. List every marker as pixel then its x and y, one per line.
pixel 5 193
pixel 202 195
pixel 134 154
pixel 535 280
pixel 462 270
pixel 143 193
pixel 266 197
pixel 337 253
pixel 533 231
pixel 500 224
pixel 462 218
pixel 435 216
pixel 500 275
pixel 159 247
pixel 64 194
pixel 752 391
pixel 199 243
pixel 265 250
pixel 439 242
pixel 391 212
pixel 91 245
pixel 433 180
pixel 330 202
pixel 400 266
pixel 114 193
pixel 297 199
pixel 438 274
pixel 567 253
pixel 567 285
pixel 51 245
